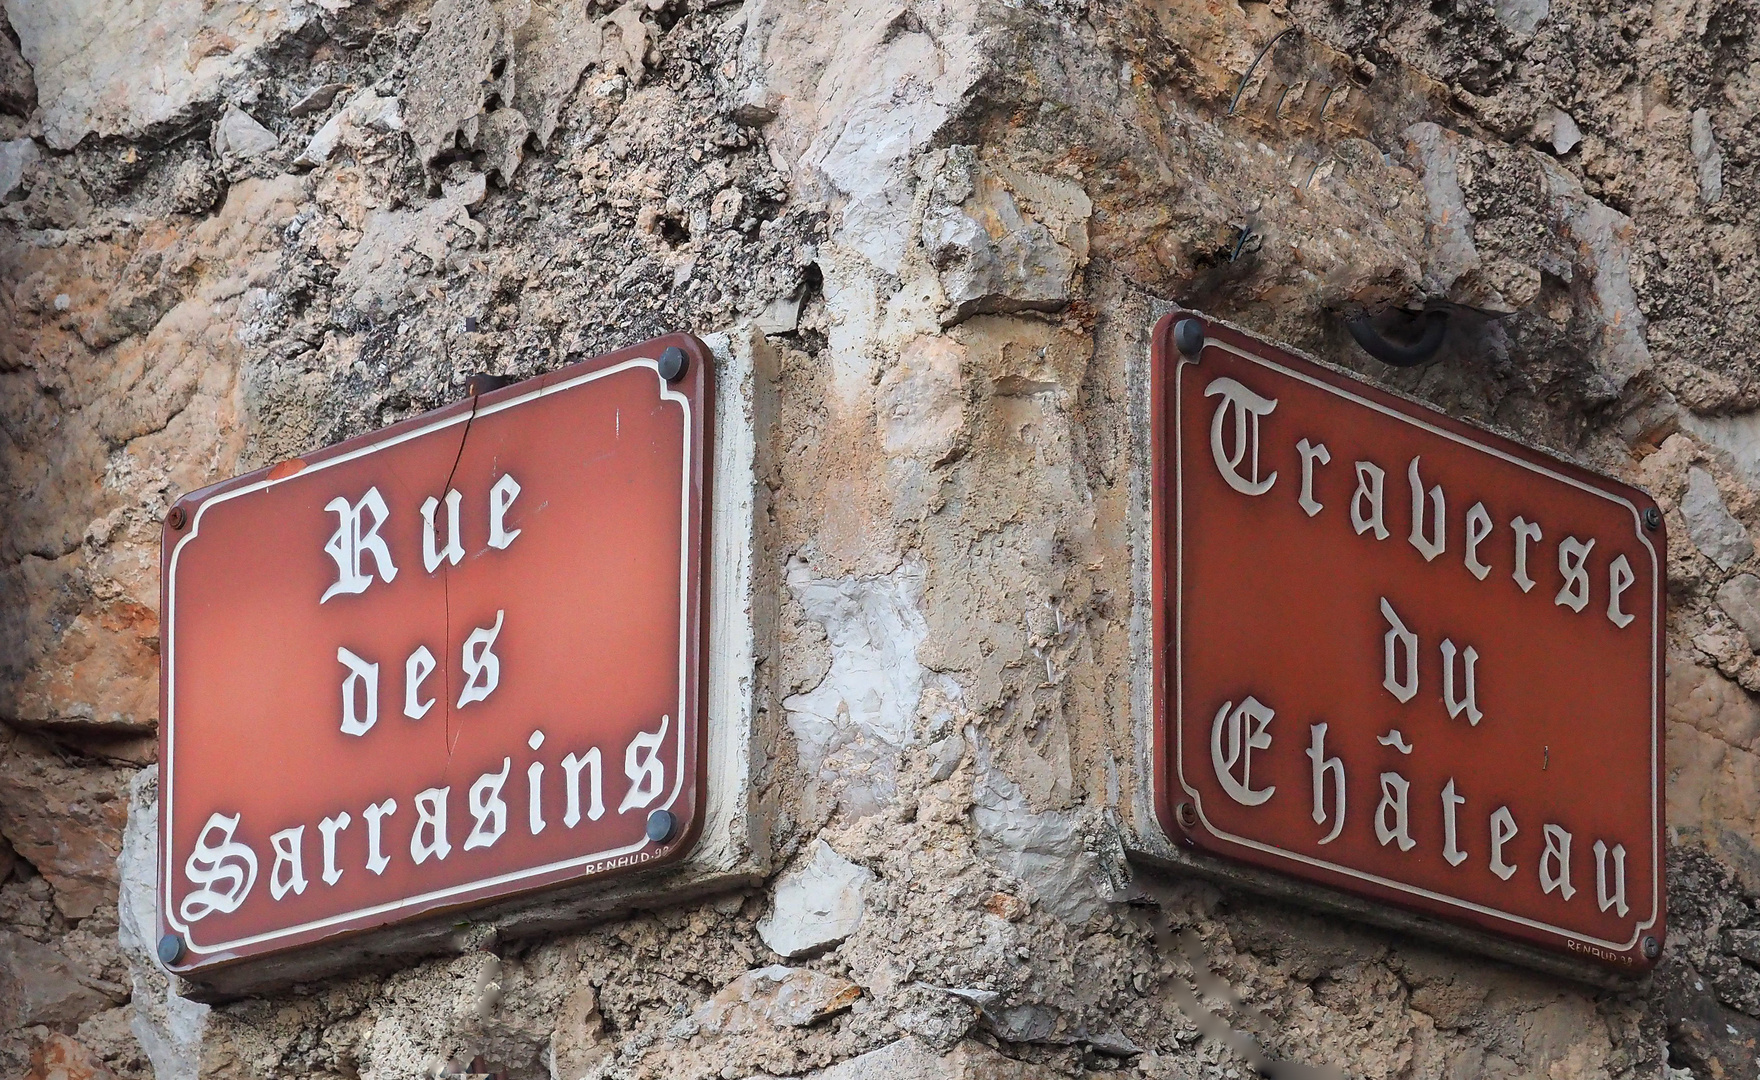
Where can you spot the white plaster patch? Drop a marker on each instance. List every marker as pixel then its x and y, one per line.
pixel 854 723
pixel 1044 850
pixel 168 1027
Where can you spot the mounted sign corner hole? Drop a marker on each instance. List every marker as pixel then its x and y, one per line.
pixel 440 666
pixel 1404 658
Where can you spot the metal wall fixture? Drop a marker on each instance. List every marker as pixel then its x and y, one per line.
pixel 1411 354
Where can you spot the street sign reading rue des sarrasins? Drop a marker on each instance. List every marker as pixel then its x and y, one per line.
pixel 449 661
pixel 1404 657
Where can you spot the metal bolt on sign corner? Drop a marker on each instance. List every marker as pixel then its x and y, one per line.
pixel 170 949
pixel 661 825
pixel 673 363
pixel 1188 336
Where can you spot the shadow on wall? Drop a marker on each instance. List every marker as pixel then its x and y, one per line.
pixel 1204 981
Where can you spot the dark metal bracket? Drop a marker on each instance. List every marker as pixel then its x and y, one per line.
pixel 1392 352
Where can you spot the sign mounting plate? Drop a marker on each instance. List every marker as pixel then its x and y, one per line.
pixel 438 665
pixel 1404 657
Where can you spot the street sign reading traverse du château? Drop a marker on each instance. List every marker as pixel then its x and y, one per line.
pixel 1401 656
pixel 442 663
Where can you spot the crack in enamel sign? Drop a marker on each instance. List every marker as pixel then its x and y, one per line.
pixel 439 664
pixel 1404 657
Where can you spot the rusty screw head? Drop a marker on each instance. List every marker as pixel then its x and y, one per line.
pixel 1652 518
pixel 673 363
pixel 661 824
pixel 1652 947
pixel 170 949
pixel 1187 815
pixel 1188 336
pixel 177 518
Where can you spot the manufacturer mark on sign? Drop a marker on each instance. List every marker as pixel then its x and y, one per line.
pixel 1404 657
pixel 443 663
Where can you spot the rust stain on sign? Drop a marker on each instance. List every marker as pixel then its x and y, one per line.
pixel 1404 657
pixel 443 663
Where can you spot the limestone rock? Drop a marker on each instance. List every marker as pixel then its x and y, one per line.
pixel 1713 704
pixel 1713 529
pixel 1450 254
pixel 376 280
pixel 317 99
pixel 364 117
pixel 239 135
pixel 994 256
pixel 551 51
pixel 61 1058
pixel 1004 906
pixel 18 91
pixel 1738 435
pixel 16 157
pixel 119 69
pixel 625 49
pixel 912 1059
pixel 1744 944
pixel 1560 132
pixel 776 996
pixel 922 402
pixel 502 139
pixel 1044 849
pixel 1602 239
pixel 453 73
pixel 1739 597
pixel 65 817
pixel 101 676
pixel 38 985
pixel 1714 797
pixel 1707 156
pixel 816 905
pixel 1522 16
pixel 579 1044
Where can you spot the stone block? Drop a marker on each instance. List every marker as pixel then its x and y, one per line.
pixel 816 905
pixel 38 985
pixel 238 135
pixel 1739 597
pixel 1713 529
pixel 64 816
pixel 62 1058
pixel 776 996
pixel 912 1059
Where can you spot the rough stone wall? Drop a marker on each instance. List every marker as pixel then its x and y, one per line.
pixel 231 231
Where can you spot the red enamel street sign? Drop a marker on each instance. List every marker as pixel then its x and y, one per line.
pixel 439 664
pixel 1404 657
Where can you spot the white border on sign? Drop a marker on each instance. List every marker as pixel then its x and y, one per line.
pixel 463 890
pixel 1179 676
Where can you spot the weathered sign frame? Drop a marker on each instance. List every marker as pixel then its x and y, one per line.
pixel 1158 836
pixel 730 396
